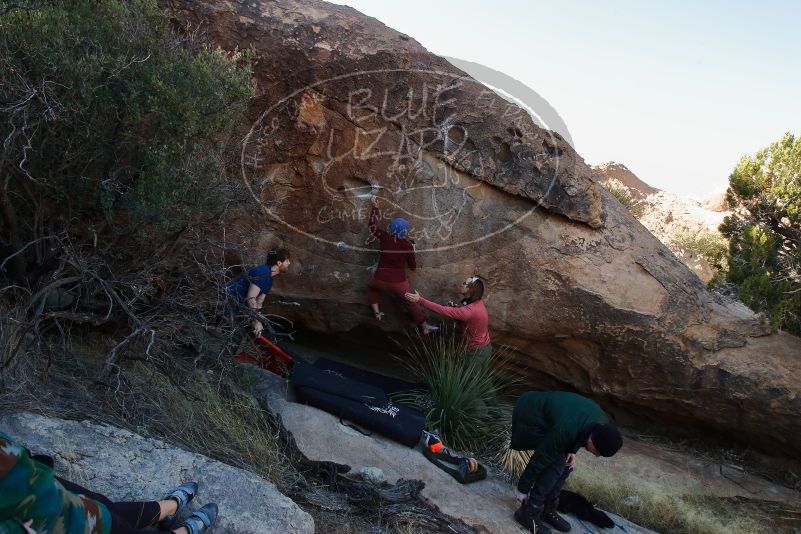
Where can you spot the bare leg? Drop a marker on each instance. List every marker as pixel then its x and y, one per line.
pixel 374 288
pixel 167 507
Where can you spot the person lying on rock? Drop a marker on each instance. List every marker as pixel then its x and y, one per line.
pixel 33 500
pixel 397 253
pixel 247 292
pixel 555 425
pixel 471 314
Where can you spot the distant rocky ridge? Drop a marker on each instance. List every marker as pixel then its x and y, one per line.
pixel 716 202
pixel 666 215
pixel 611 171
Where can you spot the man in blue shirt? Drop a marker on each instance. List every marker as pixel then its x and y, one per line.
pixel 247 292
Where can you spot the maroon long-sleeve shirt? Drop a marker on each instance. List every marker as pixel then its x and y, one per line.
pixel 473 320
pixel 396 253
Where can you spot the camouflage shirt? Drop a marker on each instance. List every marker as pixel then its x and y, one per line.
pixel 29 491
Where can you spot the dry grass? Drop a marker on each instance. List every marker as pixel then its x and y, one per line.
pixel 203 411
pixel 11 331
pixel 660 507
pixel 221 420
pixel 656 506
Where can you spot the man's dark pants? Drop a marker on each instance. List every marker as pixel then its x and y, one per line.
pixel 548 485
pixel 240 318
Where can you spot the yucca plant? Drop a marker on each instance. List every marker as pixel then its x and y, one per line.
pixel 509 462
pixel 512 462
pixel 464 400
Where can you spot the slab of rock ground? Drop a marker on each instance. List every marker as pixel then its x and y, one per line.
pixel 127 467
pixel 487 505
pixel 696 475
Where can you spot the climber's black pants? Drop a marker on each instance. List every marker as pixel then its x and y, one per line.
pixel 239 319
pixel 548 485
pixel 126 517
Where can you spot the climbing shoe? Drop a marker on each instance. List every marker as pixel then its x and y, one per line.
pixel 202 519
pixel 529 517
pixel 467 466
pixel 183 494
pixel 552 517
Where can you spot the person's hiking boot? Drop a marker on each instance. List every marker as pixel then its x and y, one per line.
pixel 552 517
pixel 183 494
pixel 202 519
pixel 529 517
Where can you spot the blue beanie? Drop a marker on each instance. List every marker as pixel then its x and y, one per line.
pixel 399 227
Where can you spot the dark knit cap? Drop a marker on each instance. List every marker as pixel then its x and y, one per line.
pixel 607 439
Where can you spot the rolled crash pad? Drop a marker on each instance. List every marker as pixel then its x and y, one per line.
pixel 306 376
pixel 388 384
pixel 396 422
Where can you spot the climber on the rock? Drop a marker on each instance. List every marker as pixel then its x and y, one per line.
pixel 34 500
pixel 555 425
pixel 246 293
pixel 397 253
pixel 471 314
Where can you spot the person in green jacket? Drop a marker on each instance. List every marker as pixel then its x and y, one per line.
pixel 555 425
pixel 33 500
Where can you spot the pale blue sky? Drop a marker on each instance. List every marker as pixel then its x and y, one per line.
pixel 676 91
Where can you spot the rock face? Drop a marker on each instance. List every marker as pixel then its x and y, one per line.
pixel 587 298
pixel 667 216
pixel 127 467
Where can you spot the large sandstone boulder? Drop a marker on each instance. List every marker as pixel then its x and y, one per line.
pixel 586 296
pixel 127 467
